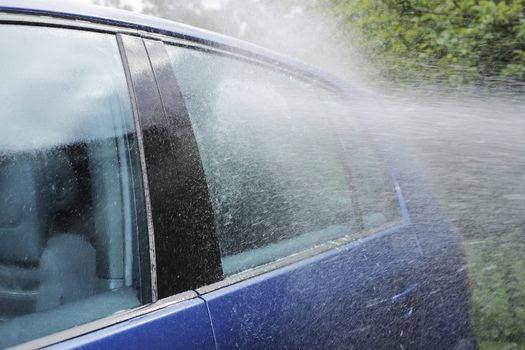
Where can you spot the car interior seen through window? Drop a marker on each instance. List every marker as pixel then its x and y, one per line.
pixel 71 205
pixel 278 169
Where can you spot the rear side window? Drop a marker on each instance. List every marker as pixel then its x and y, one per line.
pixel 71 203
pixel 279 156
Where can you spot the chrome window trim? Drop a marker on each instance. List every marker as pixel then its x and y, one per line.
pixel 37 19
pixel 303 255
pixel 105 322
pixel 145 183
pixel 48 20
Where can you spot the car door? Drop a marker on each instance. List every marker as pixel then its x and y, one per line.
pixel 84 157
pixel 313 231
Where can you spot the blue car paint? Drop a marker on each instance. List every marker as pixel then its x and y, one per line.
pixel 309 304
pixel 338 300
pixel 442 270
pixel 184 325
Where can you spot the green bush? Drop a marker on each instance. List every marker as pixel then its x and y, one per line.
pixel 455 41
pixel 498 293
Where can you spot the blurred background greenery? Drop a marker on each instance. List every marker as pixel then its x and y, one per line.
pixel 458 41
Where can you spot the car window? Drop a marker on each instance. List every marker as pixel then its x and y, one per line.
pixel 278 168
pixel 71 205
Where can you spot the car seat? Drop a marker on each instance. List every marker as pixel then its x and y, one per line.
pixel 40 270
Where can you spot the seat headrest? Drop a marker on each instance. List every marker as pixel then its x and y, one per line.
pixel 32 187
pixel 21 219
pixel 58 180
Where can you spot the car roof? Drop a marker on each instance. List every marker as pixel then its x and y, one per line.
pixel 113 16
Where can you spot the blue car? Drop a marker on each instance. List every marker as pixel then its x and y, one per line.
pixel 166 187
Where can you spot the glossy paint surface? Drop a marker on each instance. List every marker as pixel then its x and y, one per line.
pixel 182 326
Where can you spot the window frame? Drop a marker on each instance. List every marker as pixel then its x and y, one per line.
pixel 148 281
pixel 325 247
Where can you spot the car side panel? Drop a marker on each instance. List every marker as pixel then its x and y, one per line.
pixel 182 326
pixel 445 322
pixel 341 299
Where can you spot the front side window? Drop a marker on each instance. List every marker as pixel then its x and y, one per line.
pixel 71 203
pixel 279 156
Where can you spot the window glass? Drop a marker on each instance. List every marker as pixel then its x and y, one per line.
pixel 70 198
pixel 275 153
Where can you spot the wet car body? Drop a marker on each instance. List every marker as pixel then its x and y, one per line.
pixel 398 285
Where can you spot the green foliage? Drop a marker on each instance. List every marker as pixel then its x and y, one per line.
pixel 498 293
pixel 500 346
pixel 459 41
